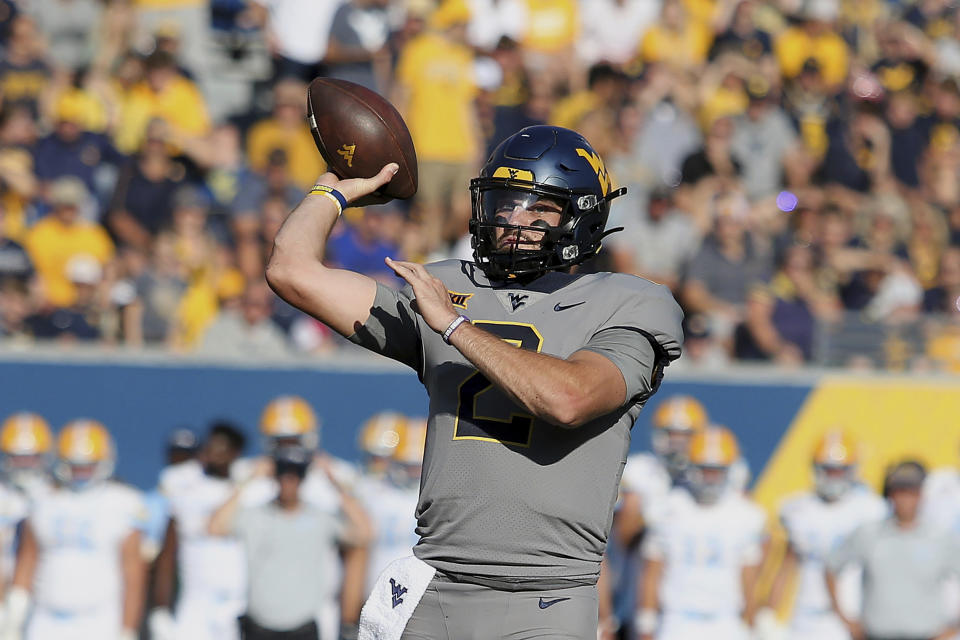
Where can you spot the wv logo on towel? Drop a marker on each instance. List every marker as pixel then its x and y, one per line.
pixel 398 591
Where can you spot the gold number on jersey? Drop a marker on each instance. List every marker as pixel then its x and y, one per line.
pixel 518 427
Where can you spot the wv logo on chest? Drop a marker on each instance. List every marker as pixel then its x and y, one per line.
pixel 398 591
pixel 347 152
pixel 517 300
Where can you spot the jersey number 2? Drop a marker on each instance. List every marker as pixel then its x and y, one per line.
pixel 518 428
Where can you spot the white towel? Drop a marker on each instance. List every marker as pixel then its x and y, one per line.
pixel 395 595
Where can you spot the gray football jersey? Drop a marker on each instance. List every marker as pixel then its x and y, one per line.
pixel 504 495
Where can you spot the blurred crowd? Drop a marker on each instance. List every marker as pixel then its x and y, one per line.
pixel 792 165
pixel 289 544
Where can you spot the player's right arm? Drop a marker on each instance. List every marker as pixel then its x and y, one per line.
pixel 339 298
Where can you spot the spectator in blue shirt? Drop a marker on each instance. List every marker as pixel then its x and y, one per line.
pixel 363 245
pixel 71 151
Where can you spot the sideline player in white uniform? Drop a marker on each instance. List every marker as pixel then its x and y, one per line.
pixel 211 570
pixel 25 447
pixel 391 500
pixel 816 522
pixel 703 554
pixel 648 477
pixel 378 439
pixel 79 562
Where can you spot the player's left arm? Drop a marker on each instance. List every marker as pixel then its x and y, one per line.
pixel 567 392
pixel 134 583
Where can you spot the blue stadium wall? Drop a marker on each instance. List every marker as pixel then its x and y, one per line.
pixel 776 420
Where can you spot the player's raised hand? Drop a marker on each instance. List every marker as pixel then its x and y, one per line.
pixel 360 192
pixel 432 298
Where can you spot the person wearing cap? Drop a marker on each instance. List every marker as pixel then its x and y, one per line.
pixel 762 139
pixel 286 128
pixel 182 446
pixel 286 545
pixel 75 147
pixel 435 90
pixel 727 265
pixel 814 37
pixel 62 235
pixel 659 245
pixel 82 319
pixel 166 94
pixel 905 562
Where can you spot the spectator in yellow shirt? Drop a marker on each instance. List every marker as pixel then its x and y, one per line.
pixel 435 93
pixel 62 235
pixel 166 94
pixel 815 37
pixel 677 39
pixel 287 129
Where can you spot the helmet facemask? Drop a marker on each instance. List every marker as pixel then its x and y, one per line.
pixel 708 482
pixel 504 248
pixel 833 480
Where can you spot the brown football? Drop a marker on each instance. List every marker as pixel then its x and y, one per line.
pixel 358 131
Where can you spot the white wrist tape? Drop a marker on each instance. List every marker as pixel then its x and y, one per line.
pixel 18 606
pixel 645 621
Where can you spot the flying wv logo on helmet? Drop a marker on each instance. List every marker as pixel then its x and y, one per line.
pixel 540 167
pixel 599 168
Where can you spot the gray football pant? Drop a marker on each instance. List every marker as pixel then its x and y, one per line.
pixel 462 611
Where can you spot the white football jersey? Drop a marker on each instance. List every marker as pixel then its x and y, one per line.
pixel 392 509
pixel 645 475
pixel 941 499
pixel 13 509
pixel 207 564
pixel 814 529
pixel 79 535
pixel 704 548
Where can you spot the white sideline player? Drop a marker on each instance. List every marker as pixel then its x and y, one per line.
pixel 25 447
pixel 703 553
pixel 648 477
pixel 391 500
pixel 79 564
pixel 816 522
pixel 211 570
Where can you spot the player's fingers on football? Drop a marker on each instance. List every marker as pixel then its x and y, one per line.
pixel 383 177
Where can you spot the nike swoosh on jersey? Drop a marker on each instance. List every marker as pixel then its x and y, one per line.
pixel 564 307
pixel 549 603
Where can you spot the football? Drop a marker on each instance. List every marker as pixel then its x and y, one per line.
pixel 358 131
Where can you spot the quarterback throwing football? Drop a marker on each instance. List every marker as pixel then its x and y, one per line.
pixel 535 377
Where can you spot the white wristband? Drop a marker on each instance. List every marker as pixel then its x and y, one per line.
pixel 18 606
pixel 459 320
pixel 645 622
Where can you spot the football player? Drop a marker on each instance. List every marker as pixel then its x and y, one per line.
pixel 25 446
pixel 79 564
pixel 212 579
pixel 379 436
pixel 532 396
pixel 391 500
pixel 646 482
pixel 703 554
pixel 816 522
